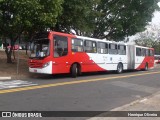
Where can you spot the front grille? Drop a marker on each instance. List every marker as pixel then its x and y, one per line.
pixel 35 64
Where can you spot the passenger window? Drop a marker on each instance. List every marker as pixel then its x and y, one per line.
pixel 60 46
pixel 151 52
pixel 102 48
pixel 113 48
pixel 121 49
pixel 77 45
pixel 147 52
pixel 143 52
pixel 90 46
pixel 138 52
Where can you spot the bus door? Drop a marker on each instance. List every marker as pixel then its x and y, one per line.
pixel 131 57
pixel 150 58
pixel 60 54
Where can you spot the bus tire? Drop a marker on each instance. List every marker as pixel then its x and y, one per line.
pixel 146 67
pixel 74 70
pixel 120 68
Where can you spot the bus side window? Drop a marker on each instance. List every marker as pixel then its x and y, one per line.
pixel 90 46
pixel 143 52
pixel 113 48
pixel 102 48
pixel 147 52
pixel 151 53
pixel 77 45
pixel 121 49
pixel 60 46
pixel 138 52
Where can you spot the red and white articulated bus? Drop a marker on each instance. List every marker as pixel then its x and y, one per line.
pixel 56 53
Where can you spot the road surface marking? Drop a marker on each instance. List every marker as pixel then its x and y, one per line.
pixel 72 82
pixel 14 84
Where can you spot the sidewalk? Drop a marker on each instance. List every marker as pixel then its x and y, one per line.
pixel 151 103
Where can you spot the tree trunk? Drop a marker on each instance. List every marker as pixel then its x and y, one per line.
pixel 12 42
pixel 9 58
pixel 8 51
pixel 26 47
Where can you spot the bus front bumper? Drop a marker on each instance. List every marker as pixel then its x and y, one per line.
pixel 44 70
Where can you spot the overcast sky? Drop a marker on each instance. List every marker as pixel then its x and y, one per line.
pixel 156 18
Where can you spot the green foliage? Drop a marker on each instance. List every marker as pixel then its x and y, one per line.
pixel 121 18
pixel 111 19
pixel 78 15
pixel 150 38
pixel 29 16
pixel 146 42
pixel 17 16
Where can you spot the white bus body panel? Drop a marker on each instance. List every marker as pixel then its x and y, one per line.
pixel 45 70
pixel 108 61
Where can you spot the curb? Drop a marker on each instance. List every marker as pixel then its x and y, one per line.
pixel 5 78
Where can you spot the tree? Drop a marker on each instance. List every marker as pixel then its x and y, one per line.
pixel 150 38
pixel 110 19
pixel 122 18
pixel 18 16
pixel 78 15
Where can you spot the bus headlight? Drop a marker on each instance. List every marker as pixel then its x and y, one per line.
pixel 46 64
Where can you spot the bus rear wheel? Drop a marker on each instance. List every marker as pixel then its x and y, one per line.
pixel 119 68
pixel 74 70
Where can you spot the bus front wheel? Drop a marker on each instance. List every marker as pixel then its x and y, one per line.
pixel 74 70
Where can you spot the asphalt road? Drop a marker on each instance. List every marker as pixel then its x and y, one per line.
pixel 89 92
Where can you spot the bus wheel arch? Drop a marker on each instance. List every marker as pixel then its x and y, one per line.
pixel 75 70
pixel 119 68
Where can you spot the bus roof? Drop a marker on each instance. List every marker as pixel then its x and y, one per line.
pixel 44 34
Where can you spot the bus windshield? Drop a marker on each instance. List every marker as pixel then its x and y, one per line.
pixel 40 48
